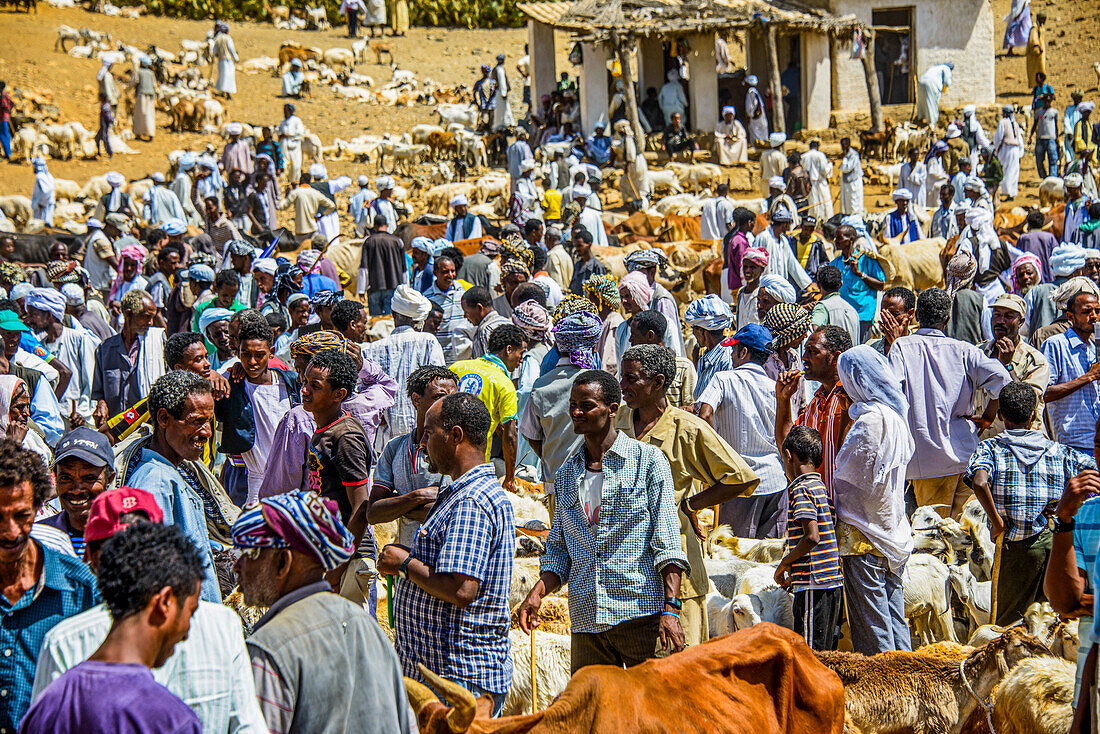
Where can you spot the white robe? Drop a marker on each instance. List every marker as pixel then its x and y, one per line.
pixel 502 112
pixel 634 184
pixel 1008 142
pixel 758 125
pixel 912 179
pixel 225 56
pixel 981 139
pixel 43 199
pixel 590 220
pixel 819 169
pixel 181 187
pixel 716 218
pixel 781 259
pixel 329 224
pixel 851 183
pixel 929 88
pixel 935 178
pixel 290 133
pixel 734 150
pixel 772 163
pixel 672 100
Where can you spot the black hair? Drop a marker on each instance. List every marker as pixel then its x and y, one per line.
pixel 342 372
pixel 1035 219
pixel 582 233
pixel 226 277
pixel 1017 403
pixel 933 307
pixel 344 312
pixel 610 392
pixel 743 216
pixel 18 464
pixel 444 258
pixel 949 187
pixel 168 250
pixel 538 261
pixel 654 359
pixel 177 344
pixel 529 292
pixel 380 221
pixel 756 356
pixel 155 235
pixel 908 297
pixel 456 255
pixel 255 329
pixel 171 391
pixel 650 320
pixel 436 308
pixel 477 296
pixel 837 339
pixel 468 413
pixel 504 336
pixel 804 443
pixel 531 225
pixel 829 278
pixel 142 559
pixel 722 189
pixel 276 321
pixel 418 381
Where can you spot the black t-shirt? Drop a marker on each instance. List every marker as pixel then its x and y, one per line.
pixel 339 460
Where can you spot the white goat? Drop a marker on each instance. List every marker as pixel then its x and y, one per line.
pixel 927 603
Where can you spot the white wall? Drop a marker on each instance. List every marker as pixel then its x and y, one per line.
pixel 816 81
pixel 943 30
pixel 544 72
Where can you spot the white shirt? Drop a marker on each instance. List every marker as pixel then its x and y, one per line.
pixel 744 415
pixel 291 130
pixel 592 495
pixel 400 354
pixel 781 258
pixel 269 404
pixel 715 219
pixel 76 350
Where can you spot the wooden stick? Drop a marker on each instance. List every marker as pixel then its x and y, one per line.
pixel 534 684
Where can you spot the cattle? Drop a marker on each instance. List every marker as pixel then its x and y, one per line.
pixel 764 680
pixel 291 50
pixel 1052 190
pixel 914 265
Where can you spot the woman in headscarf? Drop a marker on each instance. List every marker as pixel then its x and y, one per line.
pixel 603 291
pixel 872 529
pixel 131 258
pixel 209 181
pixel 106 81
pixel 225 56
pixel 144 121
pixel 753 263
pixel 730 138
pixel 15 413
pixel 43 198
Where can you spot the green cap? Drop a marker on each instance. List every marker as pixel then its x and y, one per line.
pixel 9 321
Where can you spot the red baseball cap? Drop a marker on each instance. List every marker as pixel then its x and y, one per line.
pixel 107 508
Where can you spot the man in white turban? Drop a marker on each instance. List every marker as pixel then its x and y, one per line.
pixel 820 169
pixel 754 110
pixel 671 97
pixel 902 221
pixel 772 161
pixel 225 57
pixel 404 351
pixel 43 198
pixel 237 155
pixel 730 138
pixel 73 348
pixel 463 225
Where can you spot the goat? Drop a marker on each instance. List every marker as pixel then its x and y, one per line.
pixel 976 595
pixel 379 48
pixel 927 603
pixel 1035 696
pixel 318 18
pixel 66 33
pixel 552 670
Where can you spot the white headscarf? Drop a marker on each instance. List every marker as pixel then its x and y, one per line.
pixel 105 69
pixel 869 478
pixel 115 181
pixel 409 302
pixel 8 385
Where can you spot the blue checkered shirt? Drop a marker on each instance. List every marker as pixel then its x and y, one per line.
pixel 1073 418
pixel 613 568
pixel 715 360
pixel 470 530
pixel 1026 494
pixel 1086 538
pixel 66 588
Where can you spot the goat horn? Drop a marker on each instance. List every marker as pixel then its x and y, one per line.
pixel 465 705
pixel 419 694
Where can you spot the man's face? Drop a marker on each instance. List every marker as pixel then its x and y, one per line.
pixel 241 263
pixel 946 196
pixel 7 247
pixel 535 236
pixel 589 410
pixel 129 268
pixel 1084 313
pixel 78 483
pixel 265 280
pixel 582 248
pixel 196 287
pixel 17 511
pixel 357 329
pixel 227 294
pixel 433 321
pixel 11 343
pixel 58 251
pixel 460 210
pixel 902 205
pixel 806 232
pixel 511 282
pixel 513 356
pixel 195 360
pixel 896 307
pixel 1026 276
pixel 254 354
pixel 169 262
pixel 218 334
pixel 780 227
pixel 299 314
pixel 1005 322
pixel 438 442
pixel 188 434
pixel 141 321
pixel 639 336
pixel 444 274
pixel 764 302
pixel 419 258
pixel 845 240
pixel 639 389
pixel 752 270
pixel 256 574
pixel 180 624
pixel 1092 269
pixel 318 395
pixel 473 314
pixel 675 120
pixel 437 389
pixel 211 208
pixel 37 319
pixel 817 360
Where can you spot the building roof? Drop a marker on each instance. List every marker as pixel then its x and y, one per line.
pixel 596 19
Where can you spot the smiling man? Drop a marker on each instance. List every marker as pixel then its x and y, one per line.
pixel 1024 362
pixel 128 363
pixel 83 468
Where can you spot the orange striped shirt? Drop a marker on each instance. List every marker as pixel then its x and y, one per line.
pixel 827 411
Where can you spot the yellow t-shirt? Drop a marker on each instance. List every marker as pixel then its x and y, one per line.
pixel 551 204
pixel 487 378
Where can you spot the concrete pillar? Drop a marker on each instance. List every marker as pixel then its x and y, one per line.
pixel 594 96
pixel 703 83
pixel 651 64
pixel 816 81
pixel 544 71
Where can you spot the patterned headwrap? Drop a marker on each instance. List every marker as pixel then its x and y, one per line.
pixel 575 335
pixel 778 288
pixel 490 247
pixel 62 271
pixel 960 271
pixel 532 319
pixel 314 343
pixel 301 521
pixel 757 255
pixel 603 290
pixel 285 279
pixel 640 259
pixel 638 286
pixel 11 273
pixel 239 247
pixel 513 265
pixel 325 298
pixel 515 248
pixel 1065 293
pixel 571 304
pixel 1026 259
pixel 786 322
pixel 710 313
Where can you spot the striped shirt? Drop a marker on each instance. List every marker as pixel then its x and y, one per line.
pixel 455 333
pixel 820 568
pixel 827 411
pixel 400 354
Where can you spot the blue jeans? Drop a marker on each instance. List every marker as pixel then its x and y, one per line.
pixel 1046 149
pixel 498 698
pixel 876 605
pixel 378 302
pixel 5 138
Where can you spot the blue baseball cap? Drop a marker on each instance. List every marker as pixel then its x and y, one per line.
pixel 753 336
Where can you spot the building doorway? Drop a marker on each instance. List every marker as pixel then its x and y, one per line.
pixel 894 54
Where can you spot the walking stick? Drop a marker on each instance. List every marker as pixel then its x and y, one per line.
pixel 534 683
pixel 389 598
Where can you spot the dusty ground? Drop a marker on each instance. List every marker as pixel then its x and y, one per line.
pixel 449 56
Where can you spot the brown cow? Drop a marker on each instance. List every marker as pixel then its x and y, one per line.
pixel 763 679
pixel 290 51
pixel 638 227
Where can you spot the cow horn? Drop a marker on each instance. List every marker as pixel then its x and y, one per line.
pixel 465 705
pixel 419 694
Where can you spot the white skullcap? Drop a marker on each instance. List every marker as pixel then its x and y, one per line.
pixel 776 139
pixel 1091 253
pixel 728 110
pixel 407 301
pixel 1074 180
pixel 751 80
pixel 317 170
pixel 384 182
pixel 777 182
pixel 973 183
pixel 73 293
pixel 94 223
pixel 157 177
pixel 970 109
pixel 459 200
pixel 363 180
pixel 1086 107
pixel 114 178
pixel 902 194
pixel 234 128
pixel 953 131
pixel 581 191
pixel 265 265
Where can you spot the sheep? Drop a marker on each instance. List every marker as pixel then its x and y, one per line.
pixel 525 573
pixel 438 198
pixel 16 207
pixel 719 615
pixel 259 64
pixel 1035 696
pixel 418 134
pixel 976 595
pixel 927 603
pixel 214 113
pixel 1051 191
pixel 696 176
pixel 552 670
pixel 1040 619
pixel 442 173
pixel 985 633
pixel 318 18
pixel 66 190
pixel 340 57
pixel 62 137
pixel 23 143
pixel 66 34
pixel 722 543
pixel 359 50
pixel 687 204
pixel 528 508
pixel 772 604
pixel 906 691
pixel 728 576
pixel 663 179
pixel 406 156
pixel 312 150
pixel 490 185
pixel 95 187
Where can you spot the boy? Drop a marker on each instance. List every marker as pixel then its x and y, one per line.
pixel 1018 477
pixel 811 570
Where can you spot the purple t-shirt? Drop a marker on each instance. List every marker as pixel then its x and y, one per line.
pixel 1040 244
pixel 108 698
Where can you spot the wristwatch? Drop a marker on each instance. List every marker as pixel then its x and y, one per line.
pixel 1064 527
pixel 675 602
pixel 402 570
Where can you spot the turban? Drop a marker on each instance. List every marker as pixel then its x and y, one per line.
pixel 318 170
pixel 239 247
pixel 460 200
pixel 969 109
pixel 641 259
pixel 407 301
pixel 384 182
pixel 902 195
pixel 186 162
pixel 115 179
pixel 363 181
pixel 73 293
pixel 173 227
pixel 778 288
pixel 757 255
pixel 307 260
pixel 515 247
pixel 325 298
pixel 781 215
pixel 1026 259
pixel 20 290
pixel 710 313
pixel 490 247
pixel 637 285
pixel 1074 180
pixel 953 131
pixel 212 315
pixel 301 521
pixel 200 273
pixel 421 243
pixel 603 290
pixel 976 217
pixel 777 182
pixel 532 319
pixel 135 252
pixel 1069 290
pixel 728 110
pixel 751 80
pixel 787 322
pixel 1086 107
pixel 93 223
pixel 581 192
pixel 63 271
pixel 1091 253
pixel 295 298
pixel 157 177
pixel 776 139
pixel 285 280
pixel 575 335
pixel 439 245
pixel 234 128
pixel 1007 108
pixel 48 300
pixel 265 265
pixel 526 165
pixel 960 271
pixel 571 304
pixel 973 183
pixel 315 342
pixel 510 266
pixel 11 273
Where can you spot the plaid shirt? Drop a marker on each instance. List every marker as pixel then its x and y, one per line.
pixel 613 567
pixel 470 530
pixel 1024 493
pixel 1073 418
pixel 66 587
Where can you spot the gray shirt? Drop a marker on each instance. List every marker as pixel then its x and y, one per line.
pixel 1047 127
pixel 546 418
pixel 403 468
